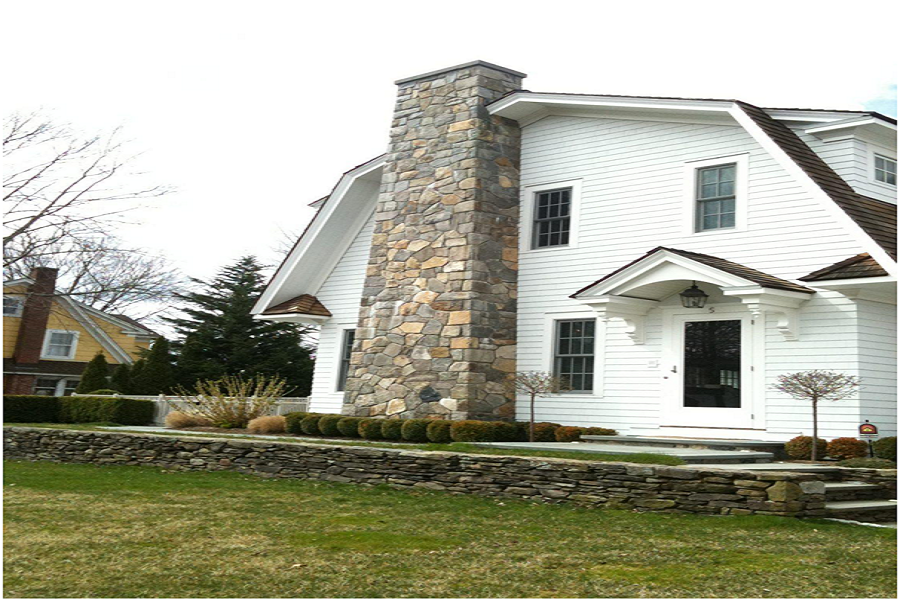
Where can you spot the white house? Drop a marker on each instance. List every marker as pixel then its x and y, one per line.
pixel 668 256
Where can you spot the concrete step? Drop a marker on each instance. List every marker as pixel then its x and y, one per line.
pixel 855 490
pixel 688 455
pixel 775 448
pixel 826 472
pixel 866 511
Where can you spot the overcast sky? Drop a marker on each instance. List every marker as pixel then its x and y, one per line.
pixel 254 109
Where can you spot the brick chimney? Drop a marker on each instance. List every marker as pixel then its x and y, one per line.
pixel 437 326
pixel 32 326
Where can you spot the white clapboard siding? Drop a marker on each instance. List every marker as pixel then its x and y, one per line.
pixel 340 294
pixel 878 364
pixel 633 200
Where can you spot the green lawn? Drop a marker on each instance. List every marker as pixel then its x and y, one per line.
pixel 82 530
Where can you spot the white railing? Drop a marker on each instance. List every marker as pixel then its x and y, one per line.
pixel 166 404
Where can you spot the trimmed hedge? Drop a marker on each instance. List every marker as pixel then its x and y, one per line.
pixel 438 431
pixel 415 430
pixel 886 448
pixel 310 425
pixel 328 425
pixel 508 432
pixel 473 431
pixel 844 448
pixel 391 429
pixel 568 434
pixel 349 426
pixel 292 421
pixel 868 463
pixel 800 448
pixel 370 429
pixel 77 409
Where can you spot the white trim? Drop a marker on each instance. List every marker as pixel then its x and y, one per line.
pixel 46 345
pixel 548 353
pixel 342 338
pixel 873 150
pixel 20 281
pixel 528 197
pixel 76 311
pixel 294 318
pixel 849 124
pixel 742 168
pixel 20 305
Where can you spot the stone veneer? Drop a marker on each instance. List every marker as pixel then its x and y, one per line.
pixel 437 323
pixel 611 485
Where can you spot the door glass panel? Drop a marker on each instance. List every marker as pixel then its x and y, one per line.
pixel 712 364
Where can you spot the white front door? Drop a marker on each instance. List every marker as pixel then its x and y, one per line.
pixel 707 369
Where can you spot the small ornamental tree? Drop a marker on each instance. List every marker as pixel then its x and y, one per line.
pixel 536 384
pixel 95 375
pixel 815 386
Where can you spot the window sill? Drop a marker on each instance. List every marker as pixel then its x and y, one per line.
pixel 59 358
pixel 551 249
pixel 714 232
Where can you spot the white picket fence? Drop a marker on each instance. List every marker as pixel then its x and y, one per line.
pixel 167 404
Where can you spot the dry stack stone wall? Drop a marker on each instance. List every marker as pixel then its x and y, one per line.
pixel 437 325
pixel 610 485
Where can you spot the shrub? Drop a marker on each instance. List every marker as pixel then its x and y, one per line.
pixel 328 425
pixel 843 448
pixel 543 432
pixel 886 448
pixel 473 431
pixel 370 429
pixel 104 392
pixel 568 434
pixel 868 463
pixel 507 432
pixel 415 430
pixel 233 401
pixel 31 409
pixel 391 429
pixel 310 425
pixel 438 431
pixel 267 424
pixel 292 421
pixel 179 420
pixel 349 426
pixel 598 431
pixel 125 411
pixel 800 448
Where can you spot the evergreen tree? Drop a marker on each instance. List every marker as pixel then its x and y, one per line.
pixel 95 375
pixel 121 379
pixel 136 369
pixel 156 376
pixel 221 337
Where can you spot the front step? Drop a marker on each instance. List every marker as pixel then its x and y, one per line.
pixel 825 473
pixel 688 455
pixel 866 511
pixel 774 448
pixel 855 490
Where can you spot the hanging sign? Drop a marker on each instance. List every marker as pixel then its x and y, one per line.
pixel 868 430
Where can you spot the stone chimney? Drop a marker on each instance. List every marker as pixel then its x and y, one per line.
pixel 437 325
pixel 32 326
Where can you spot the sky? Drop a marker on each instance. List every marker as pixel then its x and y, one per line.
pixel 252 110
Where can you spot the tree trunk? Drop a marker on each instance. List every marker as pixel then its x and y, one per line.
pixel 815 435
pixel 531 420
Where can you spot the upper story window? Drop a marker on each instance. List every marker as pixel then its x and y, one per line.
pixel 574 354
pixel 716 197
pixel 60 344
pixel 885 169
pixel 12 307
pixel 346 350
pixel 552 218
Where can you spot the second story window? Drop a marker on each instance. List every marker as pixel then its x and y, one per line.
pixel 552 218
pixel 60 344
pixel 885 170
pixel 12 307
pixel 716 203
pixel 346 350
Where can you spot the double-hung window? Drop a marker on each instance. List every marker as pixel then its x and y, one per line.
pixel 552 218
pixel 574 354
pixel 885 170
pixel 716 198
pixel 60 344
pixel 346 350
pixel 12 306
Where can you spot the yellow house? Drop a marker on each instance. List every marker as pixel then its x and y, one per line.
pixel 48 338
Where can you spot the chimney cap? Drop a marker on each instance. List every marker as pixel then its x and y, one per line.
pixel 474 63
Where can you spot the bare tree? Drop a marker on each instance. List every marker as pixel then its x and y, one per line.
pixel 60 187
pixel 537 384
pixel 815 386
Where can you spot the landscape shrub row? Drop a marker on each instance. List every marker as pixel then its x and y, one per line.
pixel 842 448
pixel 437 431
pixel 71 409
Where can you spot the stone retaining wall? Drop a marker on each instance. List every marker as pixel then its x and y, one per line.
pixel 611 485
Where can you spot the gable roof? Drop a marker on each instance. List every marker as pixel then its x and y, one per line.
pixel 861 265
pixel 302 305
pixel 738 270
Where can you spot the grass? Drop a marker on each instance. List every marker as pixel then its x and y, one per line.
pixel 88 531
pixel 465 448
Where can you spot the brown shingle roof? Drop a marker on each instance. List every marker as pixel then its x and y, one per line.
pixel 878 219
pixel 758 277
pixel 301 305
pixel 861 265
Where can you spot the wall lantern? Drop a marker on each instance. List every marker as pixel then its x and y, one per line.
pixel 693 297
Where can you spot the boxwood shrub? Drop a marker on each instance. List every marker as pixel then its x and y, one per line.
pixel 886 448
pixel 568 434
pixel 438 431
pixel 473 431
pixel 800 448
pixel 505 431
pixel 844 448
pixel 328 425
pixel 391 429
pixel 370 429
pixel 31 409
pixel 125 411
pixel 415 430
pixel 349 426
pixel 310 425
pixel 292 421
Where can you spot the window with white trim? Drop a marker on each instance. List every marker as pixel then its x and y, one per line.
pixel 716 197
pixel 573 360
pixel 885 170
pixel 346 351
pixel 552 218
pixel 60 344
pixel 12 306
pixel 53 386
